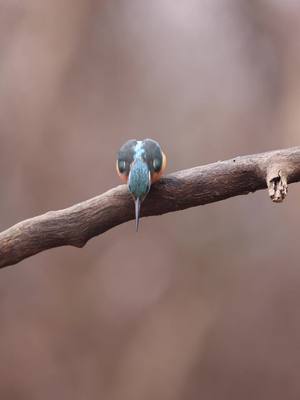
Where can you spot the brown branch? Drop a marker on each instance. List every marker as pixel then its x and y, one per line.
pixel 184 189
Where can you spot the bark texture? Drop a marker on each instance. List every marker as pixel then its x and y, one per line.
pixel 183 189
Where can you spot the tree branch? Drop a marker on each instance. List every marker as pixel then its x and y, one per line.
pixel 183 189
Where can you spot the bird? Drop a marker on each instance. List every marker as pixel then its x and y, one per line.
pixel 140 163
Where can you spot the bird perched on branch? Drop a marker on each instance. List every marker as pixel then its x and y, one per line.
pixel 140 163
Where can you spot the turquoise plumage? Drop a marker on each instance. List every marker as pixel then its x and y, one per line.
pixel 140 163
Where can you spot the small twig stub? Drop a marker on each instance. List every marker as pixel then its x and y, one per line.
pixel 201 185
pixel 277 185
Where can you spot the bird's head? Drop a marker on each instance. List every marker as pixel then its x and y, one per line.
pixel 139 164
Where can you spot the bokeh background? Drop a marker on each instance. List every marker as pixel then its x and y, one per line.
pixel 200 304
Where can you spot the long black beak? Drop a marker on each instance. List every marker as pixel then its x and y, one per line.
pixel 137 212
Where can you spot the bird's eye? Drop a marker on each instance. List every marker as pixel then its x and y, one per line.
pixel 156 164
pixel 122 166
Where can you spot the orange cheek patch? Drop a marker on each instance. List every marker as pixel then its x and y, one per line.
pixel 157 175
pixel 124 178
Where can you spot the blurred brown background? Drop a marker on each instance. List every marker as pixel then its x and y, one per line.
pixel 201 304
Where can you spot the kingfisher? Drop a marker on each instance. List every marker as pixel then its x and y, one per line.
pixel 139 164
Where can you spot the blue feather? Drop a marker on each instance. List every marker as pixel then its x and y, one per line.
pixel 139 179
